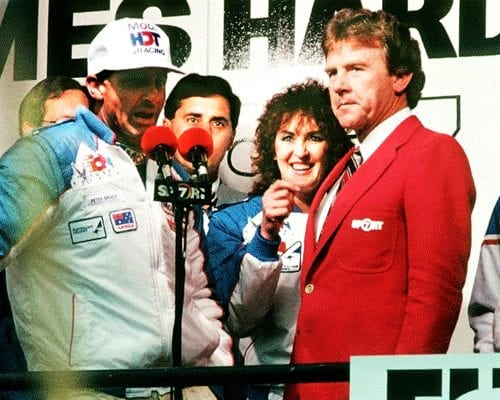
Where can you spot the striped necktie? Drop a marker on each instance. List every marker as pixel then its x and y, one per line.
pixel 351 167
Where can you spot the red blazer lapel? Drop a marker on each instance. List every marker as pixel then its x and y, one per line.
pixel 366 176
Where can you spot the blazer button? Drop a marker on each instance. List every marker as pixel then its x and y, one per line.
pixel 309 288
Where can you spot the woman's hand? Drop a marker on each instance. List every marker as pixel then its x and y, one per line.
pixel 277 203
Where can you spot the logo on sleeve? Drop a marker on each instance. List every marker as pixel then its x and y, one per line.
pixel 123 220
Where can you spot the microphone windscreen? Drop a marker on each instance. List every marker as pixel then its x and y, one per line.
pixel 155 136
pixel 193 137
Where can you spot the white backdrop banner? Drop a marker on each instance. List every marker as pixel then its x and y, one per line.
pixel 260 46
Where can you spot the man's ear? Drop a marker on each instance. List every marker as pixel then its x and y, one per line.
pixel 401 82
pixel 95 88
pixel 26 128
pixel 167 123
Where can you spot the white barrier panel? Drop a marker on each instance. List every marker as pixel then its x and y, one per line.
pixel 426 377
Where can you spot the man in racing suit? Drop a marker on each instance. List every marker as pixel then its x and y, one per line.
pixel 89 254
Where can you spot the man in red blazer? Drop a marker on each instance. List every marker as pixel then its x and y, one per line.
pixel 385 258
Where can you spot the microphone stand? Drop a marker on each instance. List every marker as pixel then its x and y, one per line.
pixel 180 217
pixel 182 195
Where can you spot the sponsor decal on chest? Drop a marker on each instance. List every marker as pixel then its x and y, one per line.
pixel 85 230
pixel 95 200
pixel 92 167
pixel 291 256
pixel 290 249
pixel 292 235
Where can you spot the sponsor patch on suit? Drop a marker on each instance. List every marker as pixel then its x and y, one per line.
pixel 85 230
pixel 123 220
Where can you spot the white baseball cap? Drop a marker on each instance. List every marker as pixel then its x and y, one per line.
pixel 129 43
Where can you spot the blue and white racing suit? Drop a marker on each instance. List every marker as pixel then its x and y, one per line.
pixel 257 280
pixel 90 257
pixel 484 306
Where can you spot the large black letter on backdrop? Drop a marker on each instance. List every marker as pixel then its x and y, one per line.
pixel 427 22
pixel 63 35
pixel 412 383
pixel 463 381
pixel 20 26
pixel 409 384
pixel 322 11
pixel 239 28
pixel 473 40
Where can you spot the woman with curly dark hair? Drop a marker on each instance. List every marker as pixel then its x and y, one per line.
pixel 255 246
pixel 311 100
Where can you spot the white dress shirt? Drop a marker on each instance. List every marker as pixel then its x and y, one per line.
pixel 369 145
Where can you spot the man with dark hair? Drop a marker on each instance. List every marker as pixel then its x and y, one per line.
pixel 51 100
pixel 386 244
pixel 207 102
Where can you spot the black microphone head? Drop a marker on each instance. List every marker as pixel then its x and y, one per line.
pixel 195 137
pixel 156 136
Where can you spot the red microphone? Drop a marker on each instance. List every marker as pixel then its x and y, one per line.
pixel 159 143
pixel 158 137
pixel 196 145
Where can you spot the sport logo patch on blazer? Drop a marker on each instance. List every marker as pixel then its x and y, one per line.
pixel 367 224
